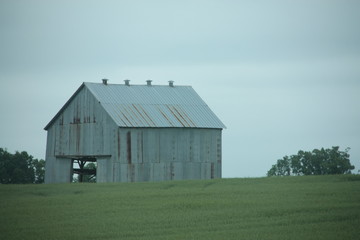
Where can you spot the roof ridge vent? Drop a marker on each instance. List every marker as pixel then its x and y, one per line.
pixel 127 82
pixel 148 82
pixel 104 81
pixel 171 83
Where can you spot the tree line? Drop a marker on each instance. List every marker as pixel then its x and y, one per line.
pixel 316 162
pixel 20 167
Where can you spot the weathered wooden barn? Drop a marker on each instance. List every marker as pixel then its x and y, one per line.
pixel 134 133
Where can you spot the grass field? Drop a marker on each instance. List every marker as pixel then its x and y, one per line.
pixel 316 207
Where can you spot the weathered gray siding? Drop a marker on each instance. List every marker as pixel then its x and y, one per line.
pixel 82 129
pixel 155 154
pixel 85 128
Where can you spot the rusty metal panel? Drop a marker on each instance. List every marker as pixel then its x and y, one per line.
pixel 83 128
pixel 154 106
pixel 169 154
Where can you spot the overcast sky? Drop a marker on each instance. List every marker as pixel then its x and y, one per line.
pixel 283 76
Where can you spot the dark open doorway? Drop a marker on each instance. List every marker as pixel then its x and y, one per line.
pixel 84 169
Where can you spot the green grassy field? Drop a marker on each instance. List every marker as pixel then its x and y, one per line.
pixel 316 207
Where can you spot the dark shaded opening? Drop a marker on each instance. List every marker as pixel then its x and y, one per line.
pixel 84 169
pixel 128 147
pixel 212 171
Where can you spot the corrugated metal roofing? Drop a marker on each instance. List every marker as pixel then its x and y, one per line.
pixel 154 106
pixel 150 106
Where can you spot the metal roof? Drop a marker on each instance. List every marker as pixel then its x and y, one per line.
pixel 152 106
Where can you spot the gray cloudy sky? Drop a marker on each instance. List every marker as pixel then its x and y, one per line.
pixel 282 75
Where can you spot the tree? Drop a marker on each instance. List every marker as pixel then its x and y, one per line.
pixel 39 167
pixel 20 168
pixel 317 162
pixel 87 177
pixel 92 177
pixel 281 168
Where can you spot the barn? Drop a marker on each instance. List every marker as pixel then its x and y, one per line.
pixel 134 133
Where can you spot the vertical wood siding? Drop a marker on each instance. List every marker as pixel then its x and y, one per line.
pixel 82 129
pixel 169 154
pixel 135 154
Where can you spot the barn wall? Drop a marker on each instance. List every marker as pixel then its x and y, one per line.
pixel 128 154
pixel 83 129
pixel 156 154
